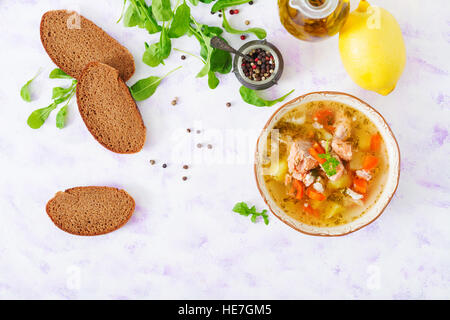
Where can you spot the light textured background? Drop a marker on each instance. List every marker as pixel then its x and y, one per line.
pixel 183 240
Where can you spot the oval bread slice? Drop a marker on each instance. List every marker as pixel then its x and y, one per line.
pixel 108 109
pixel 72 41
pixel 90 211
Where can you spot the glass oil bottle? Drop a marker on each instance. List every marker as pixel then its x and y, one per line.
pixel 313 20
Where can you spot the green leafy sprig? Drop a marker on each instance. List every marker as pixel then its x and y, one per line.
pixel 331 163
pixel 25 91
pixel 243 209
pixel 259 32
pixel 223 4
pixel 251 97
pixel 145 88
pixel 59 95
pixel 176 24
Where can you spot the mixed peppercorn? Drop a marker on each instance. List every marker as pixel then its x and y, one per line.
pixel 261 68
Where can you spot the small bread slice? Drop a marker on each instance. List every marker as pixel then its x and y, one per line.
pixel 72 41
pixel 90 211
pixel 108 109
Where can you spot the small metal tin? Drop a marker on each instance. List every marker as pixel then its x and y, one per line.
pixel 263 84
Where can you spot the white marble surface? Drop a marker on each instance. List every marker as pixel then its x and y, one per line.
pixel 183 240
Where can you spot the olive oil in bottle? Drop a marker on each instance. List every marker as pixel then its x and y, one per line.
pixel 313 20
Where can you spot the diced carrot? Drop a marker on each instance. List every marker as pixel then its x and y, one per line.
pixel 315 195
pixel 323 116
pixel 311 210
pixel 370 162
pixel 360 185
pixel 292 190
pixel 318 148
pixel 298 185
pixel 375 142
pixel 313 152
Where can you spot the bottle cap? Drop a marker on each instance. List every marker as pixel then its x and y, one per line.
pixel 312 11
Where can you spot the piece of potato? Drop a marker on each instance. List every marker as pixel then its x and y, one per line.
pixel 279 170
pixel 342 182
pixel 357 161
pixel 332 209
pixel 315 204
pixel 363 140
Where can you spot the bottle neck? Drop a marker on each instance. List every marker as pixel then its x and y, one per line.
pixel 315 9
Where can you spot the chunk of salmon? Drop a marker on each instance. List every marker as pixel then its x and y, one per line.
pixel 308 179
pixel 343 149
pixel 300 161
pixel 364 174
pixel 340 169
pixel 343 126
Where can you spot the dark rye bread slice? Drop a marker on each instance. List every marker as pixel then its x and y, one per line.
pixel 90 211
pixel 72 41
pixel 108 109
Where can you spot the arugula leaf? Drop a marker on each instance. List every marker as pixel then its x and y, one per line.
pixel 145 88
pixel 181 20
pixel 25 92
pixel 206 49
pixel 194 2
pixel 259 32
pixel 251 97
pixel 161 10
pixel 165 44
pixel 207 1
pixel 243 209
pixel 331 163
pixel 59 74
pixel 38 117
pixel 132 18
pixel 213 81
pixel 155 54
pixel 222 4
pixel 123 10
pixel 211 31
pixel 221 61
pixel 61 117
pixel 60 95
pixel 59 92
pixel 140 14
pixel 152 56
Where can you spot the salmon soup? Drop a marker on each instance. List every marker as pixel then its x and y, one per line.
pixel 326 163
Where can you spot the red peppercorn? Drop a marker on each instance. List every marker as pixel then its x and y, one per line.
pixel 267 58
pixel 256 59
pixel 254 66
pixel 242 37
pixel 236 11
pixel 231 11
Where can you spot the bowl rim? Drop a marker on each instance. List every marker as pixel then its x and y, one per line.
pixel 255 170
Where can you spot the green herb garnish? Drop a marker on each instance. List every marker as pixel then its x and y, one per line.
pixel 331 163
pixel 251 97
pixel 180 23
pixel 243 209
pixel 59 74
pixel 145 88
pixel 38 117
pixel 25 92
pixel 222 4
pixel 162 10
pixel 176 23
pixel 259 32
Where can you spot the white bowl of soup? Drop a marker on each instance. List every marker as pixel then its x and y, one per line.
pixel 327 164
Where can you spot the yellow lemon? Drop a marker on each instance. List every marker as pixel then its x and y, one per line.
pixel 372 48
